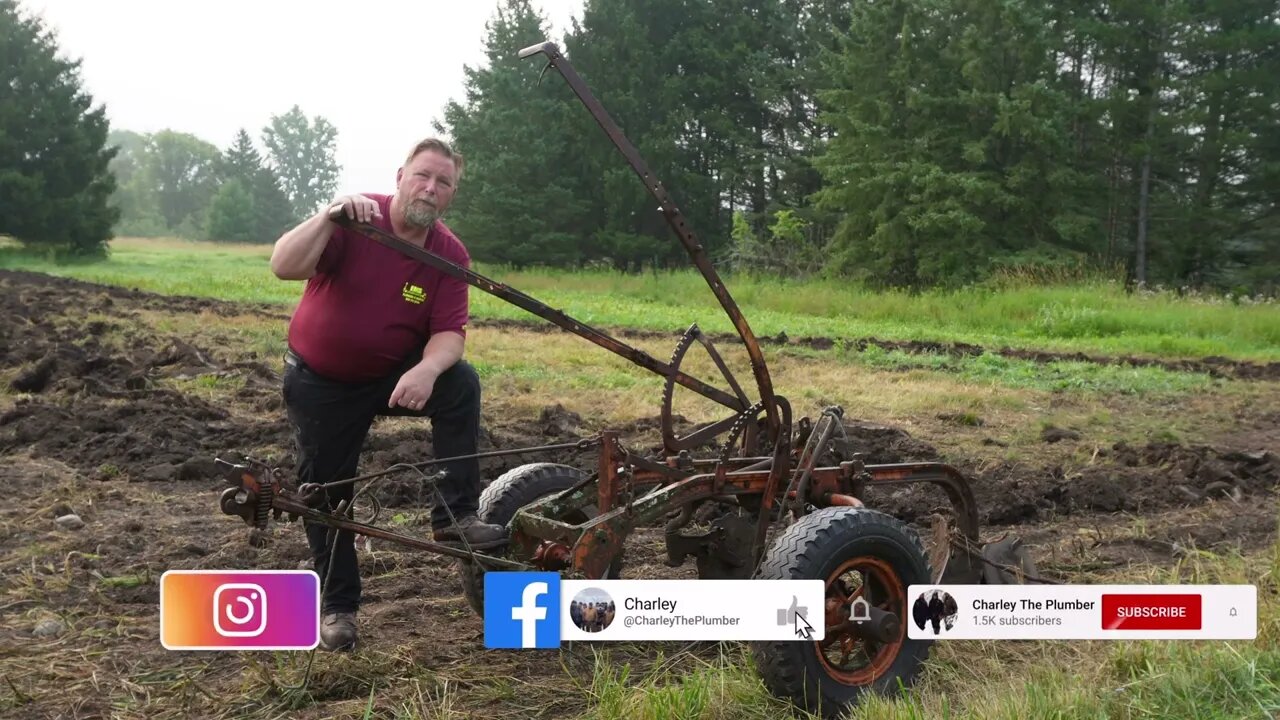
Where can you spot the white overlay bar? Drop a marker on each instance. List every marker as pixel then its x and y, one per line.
pixel 631 610
pixel 1082 612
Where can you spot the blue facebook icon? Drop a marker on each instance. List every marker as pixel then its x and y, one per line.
pixel 521 609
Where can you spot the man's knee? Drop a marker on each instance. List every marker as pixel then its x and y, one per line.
pixel 464 384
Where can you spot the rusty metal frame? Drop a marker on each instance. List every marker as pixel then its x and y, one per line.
pixel 631 490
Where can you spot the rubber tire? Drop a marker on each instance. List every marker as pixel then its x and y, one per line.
pixel 812 548
pixel 500 501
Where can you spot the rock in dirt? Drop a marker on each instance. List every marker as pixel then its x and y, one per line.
pixel 1053 434
pixel 1252 458
pixel 35 378
pixel 1222 488
pixel 557 422
pixel 197 469
pixel 70 522
pixel 49 628
pixel 195 549
pixel 159 473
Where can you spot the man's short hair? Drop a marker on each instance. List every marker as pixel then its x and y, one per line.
pixel 441 147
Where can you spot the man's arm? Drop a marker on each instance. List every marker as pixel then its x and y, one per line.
pixel 298 251
pixel 442 351
pixel 415 386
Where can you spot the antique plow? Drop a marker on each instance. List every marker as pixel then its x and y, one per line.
pixel 739 477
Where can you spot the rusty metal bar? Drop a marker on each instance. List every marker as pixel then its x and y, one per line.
pixel 674 218
pixel 523 301
pixel 288 505
pixel 608 480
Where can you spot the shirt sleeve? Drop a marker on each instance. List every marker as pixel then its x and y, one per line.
pixel 451 310
pixel 332 255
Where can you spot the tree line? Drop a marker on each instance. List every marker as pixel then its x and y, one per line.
pixel 172 183
pixel 68 182
pixel 903 143
pixel 896 142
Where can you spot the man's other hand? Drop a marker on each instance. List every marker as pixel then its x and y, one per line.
pixel 414 389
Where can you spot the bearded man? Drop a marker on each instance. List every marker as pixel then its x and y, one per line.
pixel 378 333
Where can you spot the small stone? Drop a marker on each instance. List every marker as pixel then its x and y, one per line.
pixel 49 628
pixel 159 473
pixel 1221 489
pixel 70 522
pixel 195 549
pixel 196 469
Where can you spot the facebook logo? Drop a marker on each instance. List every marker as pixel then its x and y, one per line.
pixel 521 609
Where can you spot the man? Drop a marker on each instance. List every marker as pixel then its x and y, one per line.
pixel 936 611
pixel 379 333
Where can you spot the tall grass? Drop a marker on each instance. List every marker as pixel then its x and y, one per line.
pixel 1081 314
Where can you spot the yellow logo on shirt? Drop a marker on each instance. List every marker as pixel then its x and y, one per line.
pixel 413 294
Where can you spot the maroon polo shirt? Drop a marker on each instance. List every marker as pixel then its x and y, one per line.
pixel 368 307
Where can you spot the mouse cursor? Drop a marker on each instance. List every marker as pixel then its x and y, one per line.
pixel 803 629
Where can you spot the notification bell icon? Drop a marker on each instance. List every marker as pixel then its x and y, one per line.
pixel 1233 612
pixel 860 610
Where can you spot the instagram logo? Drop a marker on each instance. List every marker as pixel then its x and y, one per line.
pixel 225 601
pixel 240 610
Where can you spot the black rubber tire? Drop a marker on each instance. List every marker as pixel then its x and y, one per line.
pixel 513 490
pixel 813 548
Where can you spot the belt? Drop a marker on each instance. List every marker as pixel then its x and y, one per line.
pixel 294 359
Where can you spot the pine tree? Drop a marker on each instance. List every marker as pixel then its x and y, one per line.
pixel 55 185
pixel 949 141
pixel 231 214
pixel 268 212
pixel 520 200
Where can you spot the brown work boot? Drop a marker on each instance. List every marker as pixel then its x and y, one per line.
pixel 480 536
pixel 338 631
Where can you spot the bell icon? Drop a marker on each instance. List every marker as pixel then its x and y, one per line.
pixel 860 610
pixel 1233 612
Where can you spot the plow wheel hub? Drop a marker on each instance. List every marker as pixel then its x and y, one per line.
pixel 868 560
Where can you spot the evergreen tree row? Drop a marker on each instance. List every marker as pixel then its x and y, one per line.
pixel 898 142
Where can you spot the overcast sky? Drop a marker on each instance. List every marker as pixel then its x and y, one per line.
pixel 380 70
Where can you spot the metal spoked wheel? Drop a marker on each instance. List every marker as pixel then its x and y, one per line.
pixel 868 560
pixel 847 656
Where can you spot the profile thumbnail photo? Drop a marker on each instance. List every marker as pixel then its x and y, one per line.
pixel 936 609
pixel 592 610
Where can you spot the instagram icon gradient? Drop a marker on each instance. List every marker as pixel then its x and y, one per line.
pixel 240 610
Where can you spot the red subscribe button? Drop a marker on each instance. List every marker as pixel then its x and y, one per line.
pixel 1150 612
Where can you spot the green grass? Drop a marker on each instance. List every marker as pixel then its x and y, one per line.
pixel 1087 316
pixel 1070 376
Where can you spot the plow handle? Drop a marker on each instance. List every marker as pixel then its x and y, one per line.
pixel 544 47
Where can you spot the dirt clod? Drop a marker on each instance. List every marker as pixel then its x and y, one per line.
pixel 1053 434
pixel 35 378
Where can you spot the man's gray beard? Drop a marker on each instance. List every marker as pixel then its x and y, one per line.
pixel 420 214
